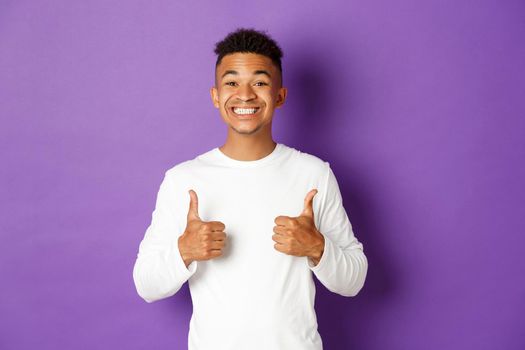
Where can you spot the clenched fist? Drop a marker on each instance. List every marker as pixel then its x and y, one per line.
pixel 298 235
pixel 201 240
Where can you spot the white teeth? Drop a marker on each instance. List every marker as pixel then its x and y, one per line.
pixel 245 110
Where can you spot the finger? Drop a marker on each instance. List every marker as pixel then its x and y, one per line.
pixel 279 238
pixel 217 236
pixel 216 245
pixel 282 220
pixel 216 225
pixel 193 211
pixel 280 247
pixel 280 230
pixel 309 204
pixel 214 253
pixel 212 236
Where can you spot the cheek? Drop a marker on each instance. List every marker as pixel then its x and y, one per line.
pixel 221 99
pixel 271 98
pixel 224 102
pixel 275 93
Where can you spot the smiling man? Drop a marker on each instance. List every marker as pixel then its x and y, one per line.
pixel 247 90
pixel 249 223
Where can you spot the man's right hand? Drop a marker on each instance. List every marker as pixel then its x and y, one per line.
pixel 201 240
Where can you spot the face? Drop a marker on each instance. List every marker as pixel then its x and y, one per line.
pixel 247 90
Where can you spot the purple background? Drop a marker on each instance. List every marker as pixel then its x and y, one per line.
pixel 418 106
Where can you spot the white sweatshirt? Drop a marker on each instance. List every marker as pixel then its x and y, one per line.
pixel 253 296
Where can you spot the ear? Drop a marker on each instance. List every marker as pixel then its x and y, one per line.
pixel 214 96
pixel 281 97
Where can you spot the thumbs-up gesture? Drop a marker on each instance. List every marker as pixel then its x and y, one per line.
pixel 298 236
pixel 201 240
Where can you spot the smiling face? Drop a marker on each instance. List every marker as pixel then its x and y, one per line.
pixel 247 90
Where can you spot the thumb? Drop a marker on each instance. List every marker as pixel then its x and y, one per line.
pixel 309 204
pixel 193 211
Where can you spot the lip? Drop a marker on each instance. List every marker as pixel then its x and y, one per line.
pixel 245 116
pixel 232 107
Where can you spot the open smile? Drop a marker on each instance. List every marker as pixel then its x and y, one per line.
pixel 245 111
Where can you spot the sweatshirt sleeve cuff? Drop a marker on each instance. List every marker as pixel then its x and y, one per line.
pixel 327 253
pixel 180 267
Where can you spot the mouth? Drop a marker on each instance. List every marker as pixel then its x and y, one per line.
pixel 247 111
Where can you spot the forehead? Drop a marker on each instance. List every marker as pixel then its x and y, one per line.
pixel 246 63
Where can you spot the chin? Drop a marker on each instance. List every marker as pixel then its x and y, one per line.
pixel 245 130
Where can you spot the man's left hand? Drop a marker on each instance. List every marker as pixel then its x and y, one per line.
pixel 298 236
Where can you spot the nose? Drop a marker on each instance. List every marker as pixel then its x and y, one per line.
pixel 245 93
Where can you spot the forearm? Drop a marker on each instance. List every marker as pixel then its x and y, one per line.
pixel 342 271
pixel 159 274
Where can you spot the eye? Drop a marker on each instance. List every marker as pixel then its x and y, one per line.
pixel 230 83
pixel 261 83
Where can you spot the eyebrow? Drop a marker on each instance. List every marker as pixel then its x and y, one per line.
pixel 234 72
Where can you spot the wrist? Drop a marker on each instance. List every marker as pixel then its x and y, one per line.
pixel 318 249
pixel 182 251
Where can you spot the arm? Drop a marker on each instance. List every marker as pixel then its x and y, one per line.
pixel 159 270
pixel 343 265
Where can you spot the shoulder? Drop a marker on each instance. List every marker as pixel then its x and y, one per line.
pixel 184 169
pixel 310 162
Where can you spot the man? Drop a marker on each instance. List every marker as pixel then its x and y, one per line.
pixel 247 224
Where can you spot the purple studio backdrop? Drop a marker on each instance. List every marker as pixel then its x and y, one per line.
pixel 418 106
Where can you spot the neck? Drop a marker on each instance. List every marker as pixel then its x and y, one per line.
pixel 247 147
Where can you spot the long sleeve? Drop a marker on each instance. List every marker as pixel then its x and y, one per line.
pixel 159 271
pixel 343 266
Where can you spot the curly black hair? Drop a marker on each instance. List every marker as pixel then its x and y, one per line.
pixel 249 40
